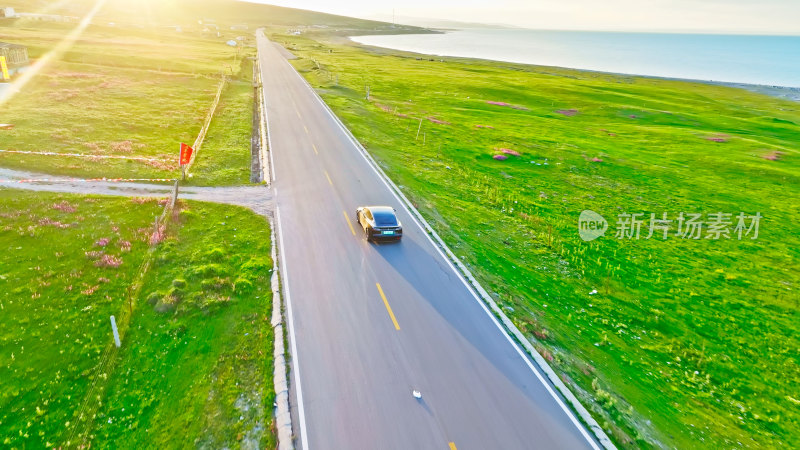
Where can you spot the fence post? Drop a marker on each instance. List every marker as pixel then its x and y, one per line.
pixel 114 330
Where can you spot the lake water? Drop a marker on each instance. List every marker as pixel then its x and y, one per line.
pixel 767 60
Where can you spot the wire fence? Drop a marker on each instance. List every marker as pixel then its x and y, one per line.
pixel 86 155
pixel 198 143
pixel 84 180
pixel 86 414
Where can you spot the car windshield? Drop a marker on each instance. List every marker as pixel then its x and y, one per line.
pixel 384 218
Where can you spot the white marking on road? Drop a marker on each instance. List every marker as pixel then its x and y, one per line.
pixel 295 356
pixel 471 290
pixel 285 279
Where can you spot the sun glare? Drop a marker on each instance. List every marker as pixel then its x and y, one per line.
pixel 54 53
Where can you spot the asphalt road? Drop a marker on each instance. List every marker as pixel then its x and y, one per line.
pixel 356 357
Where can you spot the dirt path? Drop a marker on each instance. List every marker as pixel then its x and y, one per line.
pixel 256 198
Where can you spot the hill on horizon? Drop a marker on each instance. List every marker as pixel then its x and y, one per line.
pixel 221 12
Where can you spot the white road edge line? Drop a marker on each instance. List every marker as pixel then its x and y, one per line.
pixel 280 374
pixel 284 275
pixel 290 321
pixel 415 215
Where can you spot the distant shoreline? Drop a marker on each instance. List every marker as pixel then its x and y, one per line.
pixel 783 92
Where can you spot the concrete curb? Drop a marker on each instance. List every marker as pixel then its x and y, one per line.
pixel 262 128
pixel 283 417
pixel 571 399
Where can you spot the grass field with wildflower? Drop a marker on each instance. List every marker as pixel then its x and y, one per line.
pixel 670 342
pixel 195 365
pixel 131 93
pixel 139 81
pixel 227 147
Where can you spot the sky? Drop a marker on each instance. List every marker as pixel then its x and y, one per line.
pixel 709 16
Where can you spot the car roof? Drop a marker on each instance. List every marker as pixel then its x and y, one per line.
pixel 381 209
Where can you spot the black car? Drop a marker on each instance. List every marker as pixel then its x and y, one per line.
pixel 379 223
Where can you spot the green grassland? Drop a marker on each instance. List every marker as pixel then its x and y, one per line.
pixel 194 368
pixel 123 92
pixel 227 145
pixel 133 86
pixel 221 12
pixel 686 342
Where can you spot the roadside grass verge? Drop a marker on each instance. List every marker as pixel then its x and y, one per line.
pixel 118 91
pixel 675 342
pixel 224 158
pixel 195 365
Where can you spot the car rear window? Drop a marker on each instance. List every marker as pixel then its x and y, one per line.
pixel 385 219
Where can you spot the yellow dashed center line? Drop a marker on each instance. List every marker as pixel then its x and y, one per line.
pixel 315 150
pixel 331 182
pixel 452 446
pixel 346 219
pixel 389 308
pixel 298 113
pixel 305 128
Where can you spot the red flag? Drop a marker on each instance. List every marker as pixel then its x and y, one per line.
pixel 186 154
